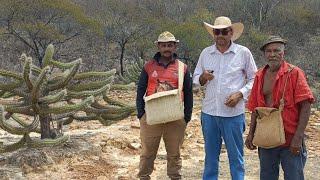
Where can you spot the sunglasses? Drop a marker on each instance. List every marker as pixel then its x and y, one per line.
pixel 223 31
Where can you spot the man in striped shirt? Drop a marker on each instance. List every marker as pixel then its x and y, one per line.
pixel 227 70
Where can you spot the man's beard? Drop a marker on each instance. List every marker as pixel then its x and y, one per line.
pixel 274 64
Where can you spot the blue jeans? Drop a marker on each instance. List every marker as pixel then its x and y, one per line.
pixel 214 128
pixel 292 165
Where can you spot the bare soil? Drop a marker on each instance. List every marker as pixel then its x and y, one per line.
pixel 112 152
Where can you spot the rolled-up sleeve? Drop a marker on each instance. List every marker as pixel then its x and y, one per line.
pixel 302 90
pixel 250 70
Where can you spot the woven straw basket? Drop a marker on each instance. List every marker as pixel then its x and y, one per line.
pixel 166 106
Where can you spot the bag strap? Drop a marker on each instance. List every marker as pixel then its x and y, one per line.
pixel 180 75
pixel 291 67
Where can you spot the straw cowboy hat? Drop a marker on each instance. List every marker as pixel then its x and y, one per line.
pixel 166 37
pixel 225 22
pixel 273 39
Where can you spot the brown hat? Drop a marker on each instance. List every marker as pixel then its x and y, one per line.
pixel 273 39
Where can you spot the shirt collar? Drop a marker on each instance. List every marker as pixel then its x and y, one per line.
pixel 233 48
pixel 284 67
pixel 157 58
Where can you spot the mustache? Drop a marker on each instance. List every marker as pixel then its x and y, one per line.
pixel 167 52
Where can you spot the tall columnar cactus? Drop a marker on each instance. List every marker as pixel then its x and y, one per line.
pixel 132 72
pixel 55 94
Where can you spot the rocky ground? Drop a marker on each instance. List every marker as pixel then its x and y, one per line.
pixel 111 152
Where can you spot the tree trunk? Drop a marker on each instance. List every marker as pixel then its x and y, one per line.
pixel 142 54
pixel 121 59
pixel 260 16
pixel 45 126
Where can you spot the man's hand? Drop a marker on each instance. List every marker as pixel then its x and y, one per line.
pixel 233 99
pixel 249 143
pixel 296 143
pixel 205 77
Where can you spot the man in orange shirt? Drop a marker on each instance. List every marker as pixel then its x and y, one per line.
pixel 161 74
pixel 267 91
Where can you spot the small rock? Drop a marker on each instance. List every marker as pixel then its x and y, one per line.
pixel 161 156
pixel 200 141
pixel 124 129
pixel 200 146
pixel 188 135
pixel 134 145
pixel 26 169
pixel 2 158
pixel 135 124
pixel 91 127
pixel 68 155
pixel 102 144
pixel 311 156
pixel 186 156
pixel 55 169
pixel 123 178
pixel 80 159
pixel 95 158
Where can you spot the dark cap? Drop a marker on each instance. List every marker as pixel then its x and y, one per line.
pixel 273 39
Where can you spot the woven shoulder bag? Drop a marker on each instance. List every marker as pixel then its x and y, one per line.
pixel 166 106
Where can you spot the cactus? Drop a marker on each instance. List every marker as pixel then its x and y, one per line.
pixel 132 72
pixel 53 95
